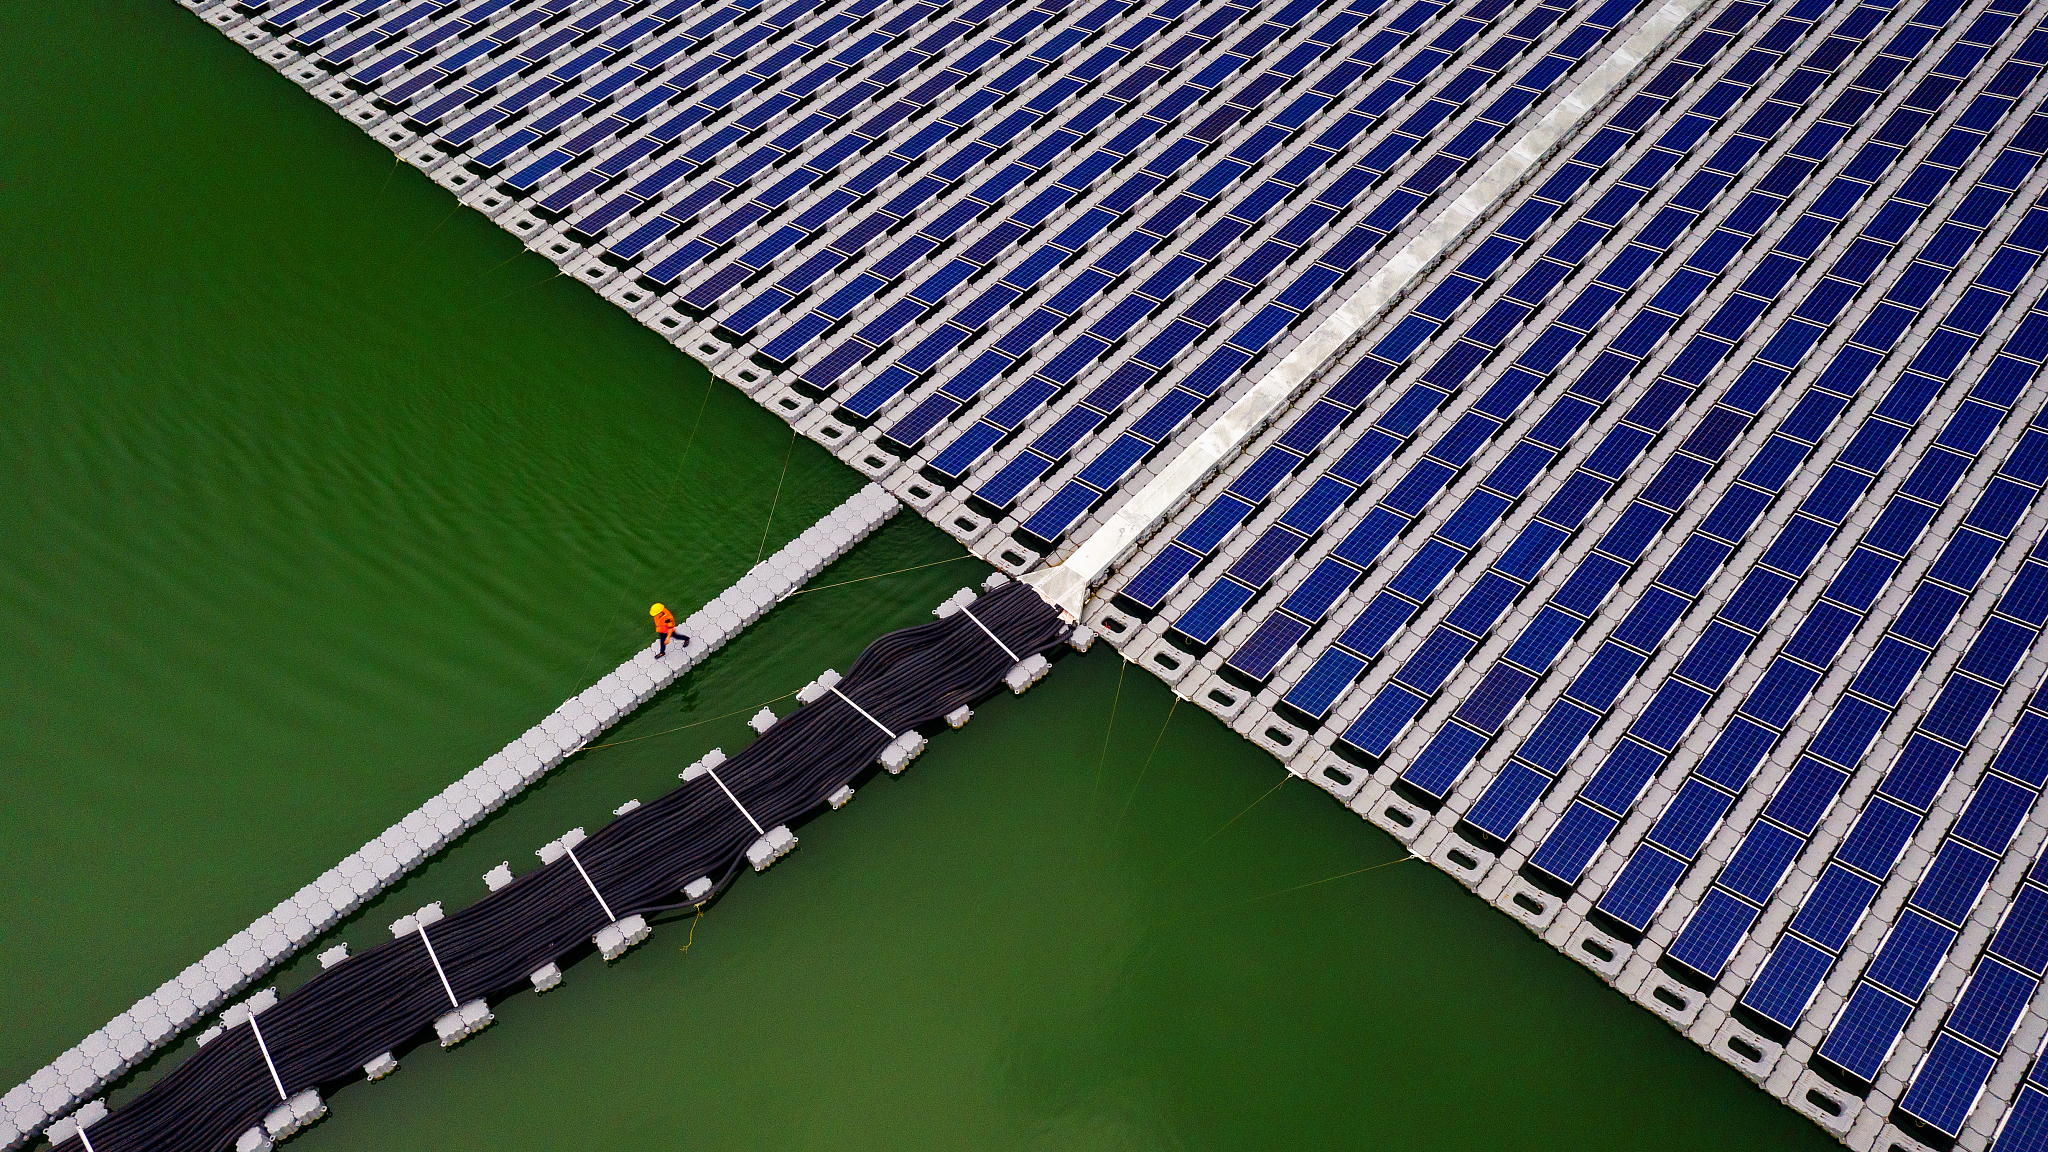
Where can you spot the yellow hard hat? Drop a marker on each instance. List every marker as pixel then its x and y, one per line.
pixel 656 610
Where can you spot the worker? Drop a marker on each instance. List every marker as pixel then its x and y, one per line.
pixel 665 626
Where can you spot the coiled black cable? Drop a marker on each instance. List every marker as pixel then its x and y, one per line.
pixel 382 1000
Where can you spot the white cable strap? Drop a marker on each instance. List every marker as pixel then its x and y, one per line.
pixel 1014 658
pixel 88 1143
pixel 265 1049
pixel 609 918
pixel 445 986
pixel 864 712
pixel 713 773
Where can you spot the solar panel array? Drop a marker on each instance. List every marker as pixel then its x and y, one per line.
pixel 1597 440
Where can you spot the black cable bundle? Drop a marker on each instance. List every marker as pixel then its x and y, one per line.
pixel 385 998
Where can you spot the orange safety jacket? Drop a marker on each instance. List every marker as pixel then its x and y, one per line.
pixel 665 623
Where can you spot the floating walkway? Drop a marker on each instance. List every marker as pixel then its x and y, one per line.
pixel 257 1076
pixel 185 1000
pixel 1599 442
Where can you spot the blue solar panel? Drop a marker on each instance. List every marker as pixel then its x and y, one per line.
pixel 1783 688
pixel 1449 753
pixel 1571 844
pixel 1787 982
pixel 1997 650
pixel 1959 709
pixel 1947 1085
pixel 1161 576
pixel 1333 672
pixel 1712 935
pixel 1880 834
pixel 1953 882
pixel 1993 814
pixel 1622 777
pixel 2023 938
pixel 1383 719
pixel 1736 753
pixel 1890 670
pixel 1670 715
pixel 1496 697
pixel 1692 817
pixel 1507 801
pixel 1439 655
pixel 2025 754
pixel 2026 1126
pixel 1275 638
pixel 1213 524
pixel 1543 639
pixel 1910 954
pixel 1863 1035
pixel 1605 675
pixel 1805 795
pixel 1919 772
pixel 1991 1005
pixel 1642 887
pixel 1834 907
pixel 1382 618
pixel 1759 863
pixel 1215 609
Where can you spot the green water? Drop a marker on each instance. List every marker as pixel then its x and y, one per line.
pixel 313 492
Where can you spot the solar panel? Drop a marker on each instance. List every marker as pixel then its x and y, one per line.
pixel 1991 1005
pixel 1953 883
pixel 1622 777
pixel 1213 611
pixel 1691 817
pixel 1495 698
pixel 2023 937
pixel 1736 753
pixel 1994 814
pixel 1579 833
pixel 2026 1127
pixel 1333 672
pixel 1879 835
pixel 1643 885
pixel 1382 618
pixel 1543 639
pixel 1712 935
pixel 1383 720
pixel 1161 576
pixel 1786 983
pixel 1910 954
pixel 1605 675
pixel 1890 670
pixel 1276 636
pixel 2025 754
pixel 1440 652
pixel 1783 688
pixel 1920 771
pixel 1560 733
pixel 1507 801
pixel 1865 1032
pixel 1760 862
pixel 1446 757
pixel 1947 1085
pixel 1209 528
pixel 1834 907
